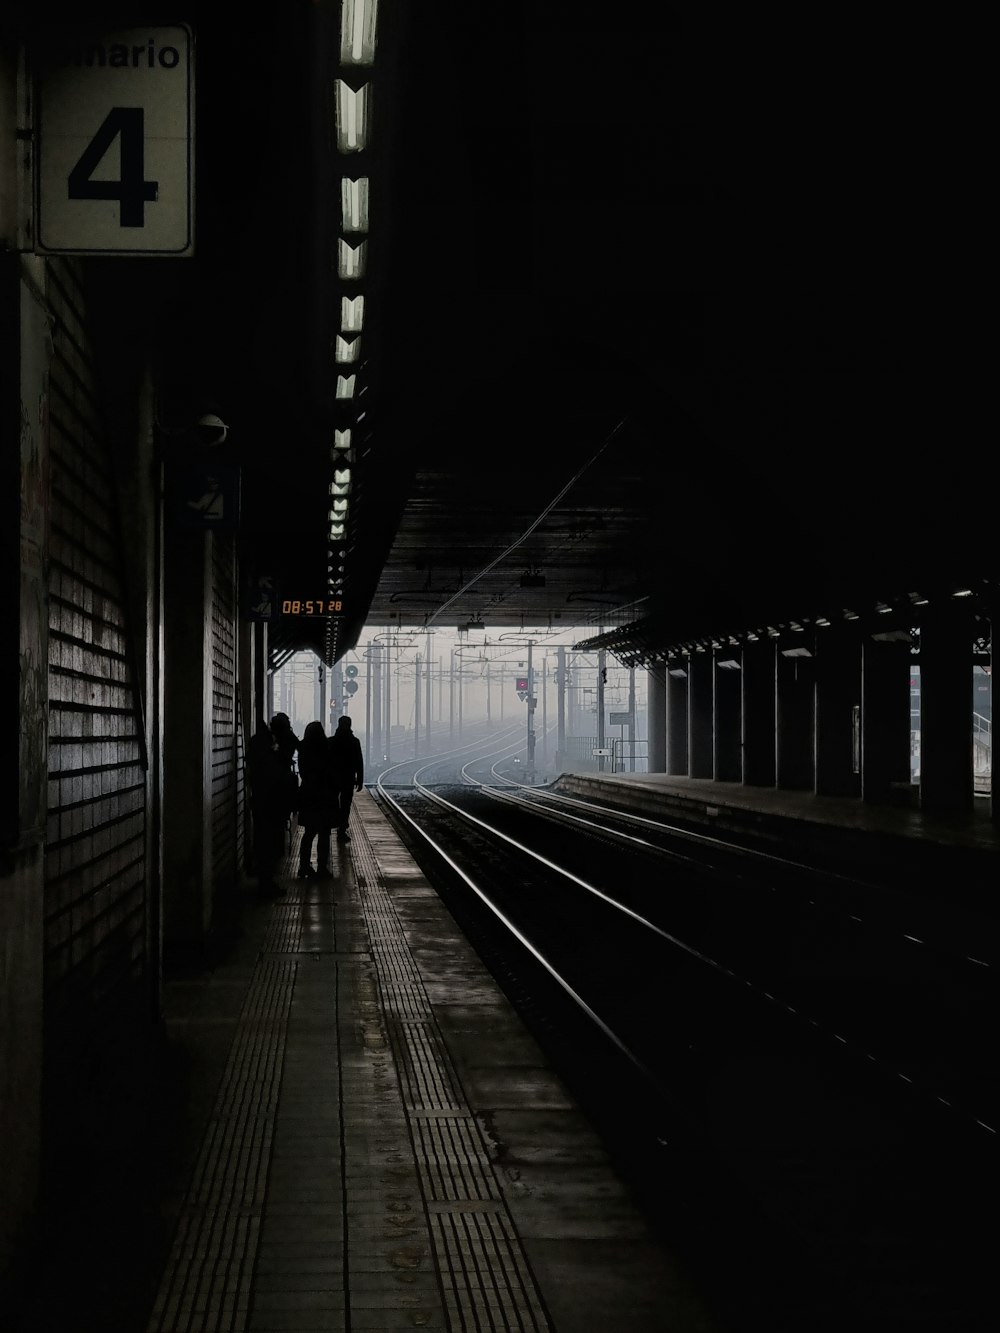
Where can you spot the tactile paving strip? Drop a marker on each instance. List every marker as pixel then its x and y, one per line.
pixel 206 1282
pixel 284 930
pixel 485 1275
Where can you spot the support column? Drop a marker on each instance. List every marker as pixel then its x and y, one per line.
pixel 187 754
pixel 656 717
pixel 601 735
pixel 25 342
pixel 677 716
pixel 560 708
pixel 757 680
pixel 946 784
pixel 838 694
pixel 701 761
pixel 885 716
pixel 261 677
pixel 795 713
pixel 727 707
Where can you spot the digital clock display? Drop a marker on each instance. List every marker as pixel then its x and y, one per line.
pixel 315 606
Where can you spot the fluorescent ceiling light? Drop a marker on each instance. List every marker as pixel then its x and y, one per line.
pixel 335 530
pixel 348 349
pixel 342 476
pixel 352 117
pixel 342 439
pixel 357 31
pixel 345 386
pixel 340 507
pixel 728 663
pixel 795 652
pixel 351 259
pixel 354 203
pixel 963 592
pixel 352 313
pixel 338 490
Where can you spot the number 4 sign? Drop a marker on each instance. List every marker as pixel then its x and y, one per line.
pixel 114 144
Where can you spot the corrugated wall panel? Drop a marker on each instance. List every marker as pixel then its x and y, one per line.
pixel 224 755
pixel 95 904
pixel 241 787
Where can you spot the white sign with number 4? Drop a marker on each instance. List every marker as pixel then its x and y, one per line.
pixel 114 144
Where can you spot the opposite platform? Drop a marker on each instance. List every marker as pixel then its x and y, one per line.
pixel 388 1148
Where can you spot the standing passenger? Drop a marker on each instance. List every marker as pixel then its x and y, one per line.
pixel 317 801
pixel 288 745
pixel 268 805
pixel 348 768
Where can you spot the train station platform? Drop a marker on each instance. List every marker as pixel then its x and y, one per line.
pixel 850 832
pixel 369 1138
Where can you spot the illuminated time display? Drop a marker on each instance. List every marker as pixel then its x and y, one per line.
pixel 315 606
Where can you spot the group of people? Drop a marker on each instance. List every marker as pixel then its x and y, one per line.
pixel 314 778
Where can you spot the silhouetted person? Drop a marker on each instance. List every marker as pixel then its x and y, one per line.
pixel 348 770
pixel 317 801
pixel 288 744
pixel 268 804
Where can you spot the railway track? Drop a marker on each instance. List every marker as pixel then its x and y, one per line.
pixel 724 1008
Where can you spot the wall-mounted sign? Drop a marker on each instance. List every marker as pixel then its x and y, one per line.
pixel 259 597
pixel 114 143
pixel 204 495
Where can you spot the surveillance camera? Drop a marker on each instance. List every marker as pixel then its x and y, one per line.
pixel 210 430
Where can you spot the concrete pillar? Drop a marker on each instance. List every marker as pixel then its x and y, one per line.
pixel 946 785
pixel 656 718
pixel 677 716
pixel 187 748
pixel 25 342
pixel 727 710
pixel 885 716
pixel 701 762
pixel 757 679
pixel 795 713
pixel 838 693
pixel 261 677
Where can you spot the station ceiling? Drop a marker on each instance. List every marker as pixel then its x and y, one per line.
pixel 652 314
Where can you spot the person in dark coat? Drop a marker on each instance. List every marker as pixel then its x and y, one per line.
pixel 288 745
pixel 268 805
pixel 347 766
pixel 316 801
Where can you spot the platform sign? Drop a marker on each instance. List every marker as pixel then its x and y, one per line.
pixel 114 143
pixel 600 753
pixel 259 597
pixel 619 719
pixel 204 495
